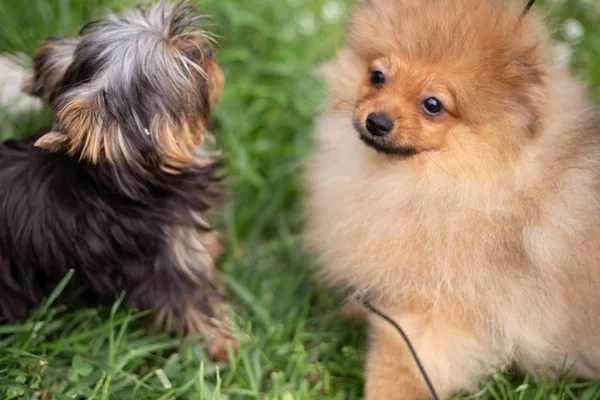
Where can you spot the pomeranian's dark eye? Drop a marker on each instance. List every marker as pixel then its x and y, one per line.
pixel 432 106
pixel 377 78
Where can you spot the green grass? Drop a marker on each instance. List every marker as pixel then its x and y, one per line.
pixel 295 345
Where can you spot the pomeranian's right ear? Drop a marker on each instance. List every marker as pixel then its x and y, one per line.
pixel 50 63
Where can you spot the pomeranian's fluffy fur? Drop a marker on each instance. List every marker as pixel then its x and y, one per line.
pixel 457 181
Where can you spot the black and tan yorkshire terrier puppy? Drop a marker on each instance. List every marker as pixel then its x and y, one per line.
pixel 120 188
pixel 457 180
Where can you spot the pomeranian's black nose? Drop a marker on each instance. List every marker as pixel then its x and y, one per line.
pixel 379 124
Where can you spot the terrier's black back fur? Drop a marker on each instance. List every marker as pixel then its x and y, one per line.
pixel 57 213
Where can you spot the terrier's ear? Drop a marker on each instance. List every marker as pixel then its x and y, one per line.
pixel 84 128
pixel 51 61
pixel 52 141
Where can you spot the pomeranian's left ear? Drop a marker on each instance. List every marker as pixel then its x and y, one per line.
pixel 50 63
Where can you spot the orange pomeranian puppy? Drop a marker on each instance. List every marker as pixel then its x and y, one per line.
pixel 457 181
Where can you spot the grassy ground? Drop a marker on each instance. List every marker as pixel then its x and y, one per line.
pixel 295 344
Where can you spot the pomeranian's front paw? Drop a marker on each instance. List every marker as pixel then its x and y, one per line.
pixel 383 391
pixel 394 388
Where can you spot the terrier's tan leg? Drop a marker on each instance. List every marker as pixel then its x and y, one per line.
pixel 186 292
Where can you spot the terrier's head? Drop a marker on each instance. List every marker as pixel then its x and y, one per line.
pixel 135 90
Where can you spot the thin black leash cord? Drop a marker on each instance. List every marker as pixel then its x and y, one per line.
pixel 528 6
pixel 376 311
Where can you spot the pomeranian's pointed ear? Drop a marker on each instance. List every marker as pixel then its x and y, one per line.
pixel 52 141
pixel 51 61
